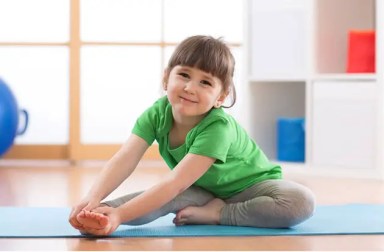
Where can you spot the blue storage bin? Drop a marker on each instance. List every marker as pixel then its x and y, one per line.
pixel 291 139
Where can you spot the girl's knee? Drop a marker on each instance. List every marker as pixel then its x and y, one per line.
pixel 302 207
pixel 308 201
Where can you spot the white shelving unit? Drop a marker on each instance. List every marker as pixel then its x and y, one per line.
pixel 297 68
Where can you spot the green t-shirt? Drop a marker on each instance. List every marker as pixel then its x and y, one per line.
pixel 239 164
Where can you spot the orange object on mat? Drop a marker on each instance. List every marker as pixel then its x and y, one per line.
pixel 361 51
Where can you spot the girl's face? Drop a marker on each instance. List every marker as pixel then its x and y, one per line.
pixel 193 92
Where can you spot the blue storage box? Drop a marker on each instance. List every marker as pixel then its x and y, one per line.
pixel 291 139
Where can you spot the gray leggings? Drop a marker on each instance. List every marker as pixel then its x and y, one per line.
pixel 271 203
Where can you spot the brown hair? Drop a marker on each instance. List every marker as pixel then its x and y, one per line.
pixel 209 55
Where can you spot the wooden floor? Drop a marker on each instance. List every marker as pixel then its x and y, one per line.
pixel 60 184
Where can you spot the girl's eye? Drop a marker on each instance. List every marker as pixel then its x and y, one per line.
pixel 206 82
pixel 184 75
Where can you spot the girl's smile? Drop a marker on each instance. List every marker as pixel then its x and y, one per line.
pixel 186 100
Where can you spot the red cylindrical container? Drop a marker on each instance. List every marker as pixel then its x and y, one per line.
pixel 361 51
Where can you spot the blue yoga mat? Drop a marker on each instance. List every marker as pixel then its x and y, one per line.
pixel 327 220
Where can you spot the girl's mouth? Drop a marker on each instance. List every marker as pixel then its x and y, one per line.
pixel 187 100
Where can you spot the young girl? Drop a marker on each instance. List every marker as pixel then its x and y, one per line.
pixel 219 175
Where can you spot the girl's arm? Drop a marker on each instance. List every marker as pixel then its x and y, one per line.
pixel 190 169
pixel 118 168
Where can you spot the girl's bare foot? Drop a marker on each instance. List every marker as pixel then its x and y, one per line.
pixel 92 220
pixel 207 214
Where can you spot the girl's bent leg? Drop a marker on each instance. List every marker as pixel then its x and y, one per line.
pixel 193 196
pixel 271 204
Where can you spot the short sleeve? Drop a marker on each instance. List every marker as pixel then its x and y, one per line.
pixel 144 126
pixel 154 122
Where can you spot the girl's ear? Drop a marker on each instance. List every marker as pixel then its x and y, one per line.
pixel 217 104
pixel 220 100
pixel 165 79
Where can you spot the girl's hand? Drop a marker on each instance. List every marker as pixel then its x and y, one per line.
pixel 85 204
pixel 100 221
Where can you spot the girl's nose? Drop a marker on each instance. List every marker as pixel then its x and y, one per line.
pixel 189 87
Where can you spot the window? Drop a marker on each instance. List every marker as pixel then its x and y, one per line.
pixel 107 62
